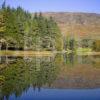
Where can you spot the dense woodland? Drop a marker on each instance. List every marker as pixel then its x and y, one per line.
pixel 20 30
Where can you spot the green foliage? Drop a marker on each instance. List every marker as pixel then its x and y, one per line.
pixel 96 45
pixel 22 30
pixel 18 75
pixel 69 43
pixel 2 24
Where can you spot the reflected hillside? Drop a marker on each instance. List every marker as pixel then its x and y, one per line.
pixel 78 72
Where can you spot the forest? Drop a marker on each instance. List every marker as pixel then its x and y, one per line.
pixel 20 30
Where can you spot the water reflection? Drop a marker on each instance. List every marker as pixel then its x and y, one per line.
pixel 22 73
pixel 18 74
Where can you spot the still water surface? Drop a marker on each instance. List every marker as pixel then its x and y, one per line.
pixel 61 77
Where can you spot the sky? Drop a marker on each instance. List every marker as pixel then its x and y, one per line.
pixel 91 6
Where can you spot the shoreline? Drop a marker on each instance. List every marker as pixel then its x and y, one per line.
pixel 42 53
pixel 25 53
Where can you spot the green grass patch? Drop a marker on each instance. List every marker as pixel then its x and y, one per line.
pixel 84 50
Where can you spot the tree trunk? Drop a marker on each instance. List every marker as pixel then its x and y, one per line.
pixel 6 47
pixel 0 46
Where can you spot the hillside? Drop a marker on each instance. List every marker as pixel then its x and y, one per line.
pixel 78 24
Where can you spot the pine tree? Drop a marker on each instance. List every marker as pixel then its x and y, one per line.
pixel 21 30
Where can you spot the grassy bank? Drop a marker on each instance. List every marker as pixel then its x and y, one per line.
pixel 84 50
pixel 25 53
pixel 79 51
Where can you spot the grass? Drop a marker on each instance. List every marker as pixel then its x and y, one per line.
pixel 25 53
pixel 79 51
pixel 84 50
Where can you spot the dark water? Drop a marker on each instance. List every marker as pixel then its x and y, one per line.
pixel 58 77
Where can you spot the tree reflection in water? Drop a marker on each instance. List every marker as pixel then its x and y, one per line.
pixel 17 74
pixel 21 73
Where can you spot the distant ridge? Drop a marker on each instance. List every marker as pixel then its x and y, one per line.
pixel 78 24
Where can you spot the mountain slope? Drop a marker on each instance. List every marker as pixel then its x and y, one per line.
pixel 78 24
